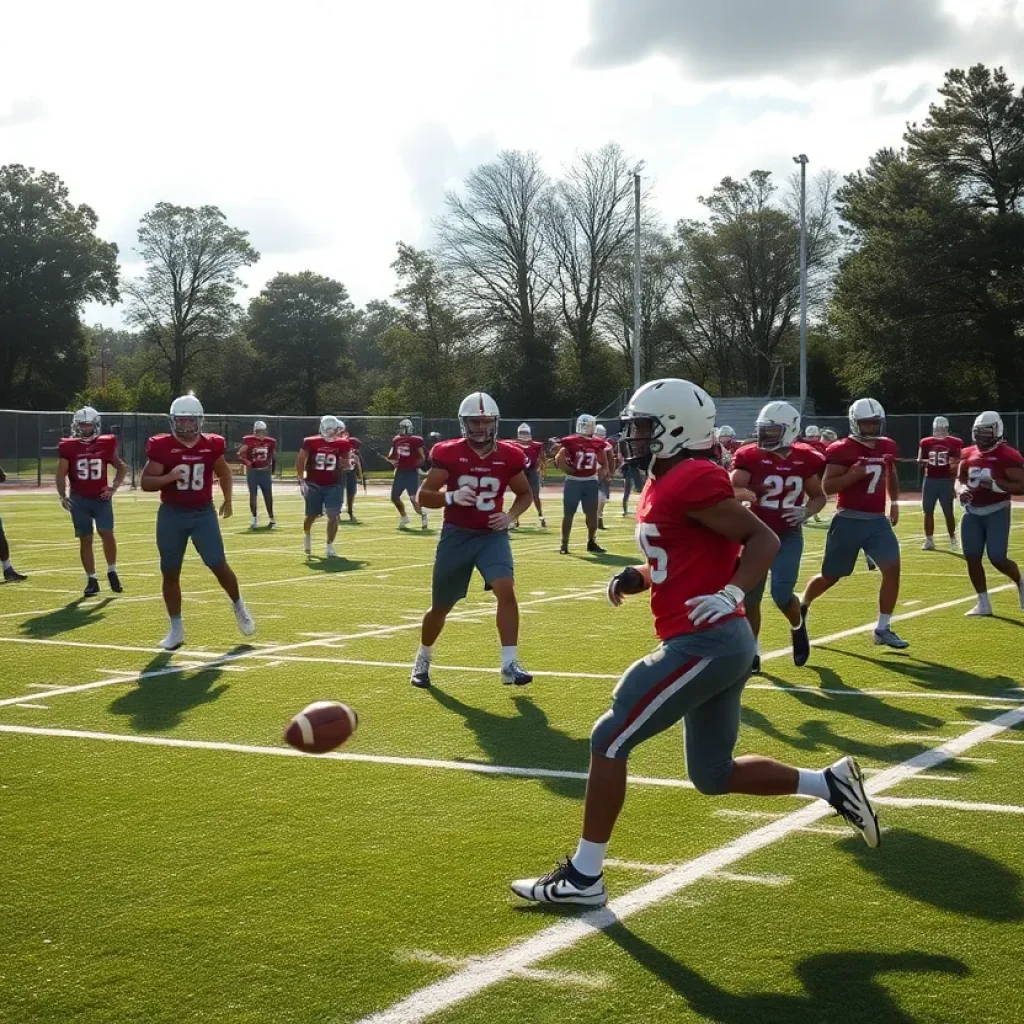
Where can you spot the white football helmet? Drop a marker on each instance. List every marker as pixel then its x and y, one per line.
pixel 726 433
pixel 524 432
pixel 828 435
pixel 863 411
pixel 940 427
pixel 259 427
pixel 666 417
pixel 341 423
pixel 778 426
pixel 85 424
pixel 405 427
pixel 586 425
pixel 483 411
pixel 186 417
pixel 987 430
pixel 812 433
pixel 600 430
pixel 330 427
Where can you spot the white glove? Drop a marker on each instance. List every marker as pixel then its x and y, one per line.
pixel 465 496
pixel 303 488
pixel 183 473
pixel 795 516
pixel 499 521
pixel 65 504
pixel 712 608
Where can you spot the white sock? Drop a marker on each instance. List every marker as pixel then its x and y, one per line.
pixel 508 655
pixel 425 653
pixel 983 598
pixel 883 621
pixel 239 604
pixel 589 858
pixel 812 783
pixel 757 646
pixel 90 575
pixel 176 624
pixel 7 565
pixel 111 566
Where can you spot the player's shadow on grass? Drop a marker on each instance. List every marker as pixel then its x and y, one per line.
pixel 944 875
pixel 1013 622
pixel 333 565
pixel 159 702
pixel 611 560
pixel 71 616
pixel 840 986
pixel 505 741
pixel 932 675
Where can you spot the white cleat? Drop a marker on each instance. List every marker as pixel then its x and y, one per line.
pixel 982 608
pixel 954 545
pixel 174 639
pixel 307 544
pixel 246 623
pixel 889 638
pixel 403 522
pixel 848 796
pixel 254 522
pixel 563 885
pixel 929 544
pixel 329 552
pixel 424 520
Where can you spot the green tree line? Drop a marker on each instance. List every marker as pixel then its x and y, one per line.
pixel 916 289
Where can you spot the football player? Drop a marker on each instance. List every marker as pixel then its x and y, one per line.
pixel 259 456
pixel 604 483
pixel 704 551
pixel 990 472
pixel 783 478
pixel 353 475
pixel 84 457
pixel 407 454
pixel 181 466
pixel 322 459
pixel 468 479
pixel 536 464
pixel 584 458
pixel 813 439
pixel 861 470
pixel 633 478
pixel 11 575
pixel 729 444
pixel 940 455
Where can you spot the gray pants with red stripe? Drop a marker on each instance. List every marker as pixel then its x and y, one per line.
pixel 695 678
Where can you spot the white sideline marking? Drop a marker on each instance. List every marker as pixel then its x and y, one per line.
pixel 34 707
pixel 952 805
pixel 735 812
pixel 43 686
pixel 633 865
pixel 924 776
pixel 1013 743
pixel 772 880
pixel 977 760
pixel 553 939
pixel 827 830
pixel 575 978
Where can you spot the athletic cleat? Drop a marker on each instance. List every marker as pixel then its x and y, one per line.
pixel 329 552
pixel 625 513
pixel 272 525
pixel 600 524
pixel 801 641
pixel 12 575
pixel 871 565
pixel 351 517
pixel 92 587
pixel 174 639
pixel 424 520
pixel 887 638
pixel 420 677
pixel 246 623
pixel 929 544
pixel 307 544
pixel 755 667
pixel 513 674
pixel 564 549
pixel 954 545
pixel 982 608
pixel 403 522
pixel 848 796
pixel 115 582
pixel 594 548
pixel 543 523
pixel 254 522
pixel 563 885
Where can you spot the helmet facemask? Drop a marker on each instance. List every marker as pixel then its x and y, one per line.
pixel 479 431
pixel 769 436
pixel 640 439
pixel 186 428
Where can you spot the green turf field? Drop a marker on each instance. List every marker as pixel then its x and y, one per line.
pixel 166 858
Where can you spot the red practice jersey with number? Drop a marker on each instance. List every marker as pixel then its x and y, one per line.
pixel 939 453
pixel 259 451
pixel 989 466
pixel 868 493
pixel 87 463
pixel 778 480
pixel 582 454
pixel 326 459
pixel 357 446
pixel 532 451
pixel 686 559
pixel 407 449
pixel 487 474
pixel 197 489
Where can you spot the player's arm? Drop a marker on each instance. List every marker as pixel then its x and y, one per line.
pixel 921 457
pixel 837 478
pixel 226 481
pixel 892 485
pixel 431 493
pixel 243 456
pixel 1013 481
pixel 817 499
pixel 300 468
pixel 741 485
pixel 520 487
pixel 120 472
pixel 392 457
pixel 62 482
pixel 154 478
pixel 604 466
pixel 634 579
pixel 562 459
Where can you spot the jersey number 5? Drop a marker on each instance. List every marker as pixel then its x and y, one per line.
pixel 194 478
pixel 487 489
pixel 656 556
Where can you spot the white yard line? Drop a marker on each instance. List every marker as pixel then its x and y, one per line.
pixel 948 805
pixel 495 967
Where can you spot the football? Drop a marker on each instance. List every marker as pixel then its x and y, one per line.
pixel 321 727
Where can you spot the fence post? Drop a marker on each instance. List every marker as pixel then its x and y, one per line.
pixel 39 451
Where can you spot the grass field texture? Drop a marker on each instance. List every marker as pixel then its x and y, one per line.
pixel 167 858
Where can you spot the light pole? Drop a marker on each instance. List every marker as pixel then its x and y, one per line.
pixel 636 278
pixel 802 161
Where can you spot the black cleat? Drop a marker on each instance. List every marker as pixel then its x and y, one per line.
pixel 420 677
pixel 600 525
pixel 801 641
pixel 755 668
pixel 850 800
pixel 13 576
pixel 115 582
pixel 564 549
pixel 92 588
pixel 594 548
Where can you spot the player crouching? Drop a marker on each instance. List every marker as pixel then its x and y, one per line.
pixel 83 459
pixel 181 466
pixel 704 551
pixel 468 479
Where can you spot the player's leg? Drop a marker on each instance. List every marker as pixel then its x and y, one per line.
pixel 494 562
pixel 537 503
pixel 104 515
pixel 314 510
pixel 972 541
pixel 208 542
pixel 172 533
pixel 947 503
pixel 997 543
pixel 604 493
pixel 412 486
pixel 332 506
pixel 841 550
pixel 882 547
pixel 785 572
pixel 267 488
pixel 83 512
pixel 591 509
pixel 396 498
pixel 627 488
pixel 252 482
pixel 752 602
pixel 570 502
pixel 351 487
pixel 11 575
pixel 929 497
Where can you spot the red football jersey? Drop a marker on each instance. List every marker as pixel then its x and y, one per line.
pixel 197 489
pixel 732 444
pixel 259 451
pixel 489 474
pixel 938 453
pixel 326 459
pixel 582 454
pixel 686 559
pixel 816 443
pixel 357 446
pixel 778 480
pixel 990 465
pixel 407 448
pixel 867 494
pixel 87 463
pixel 532 451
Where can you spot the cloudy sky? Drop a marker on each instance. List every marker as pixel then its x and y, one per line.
pixel 329 129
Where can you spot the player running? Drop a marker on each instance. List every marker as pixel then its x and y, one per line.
pixel 990 472
pixel 536 464
pixel 407 454
pixel 604 483
pixel 783 478
pixel 940 456
pixel 259 456
pixel 468 479
pixel 319 466
pixel 181 466
pixel 861 470
pixel 11 575
pixel 84 458
pixel 584 458
pixel 704 551
pixel 352 476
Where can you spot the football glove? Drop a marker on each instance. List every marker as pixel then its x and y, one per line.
pixel 795 516
pixel 66 504
pixel 711 608
pixel 628 581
